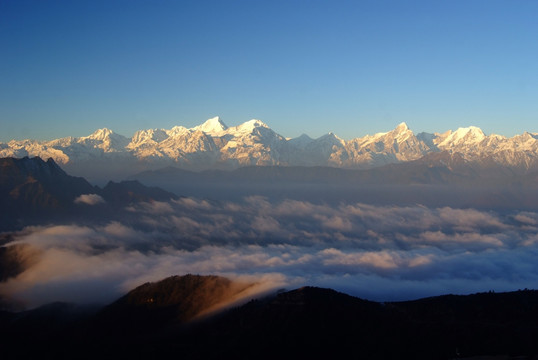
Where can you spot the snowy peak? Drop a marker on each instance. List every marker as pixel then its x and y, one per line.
pixel 177 130
pixel 213 126
pixel 402 127
pixel 105 135
pixel 470 132
pixel 148 136
pixel 216 127
pixel 256 123
pixel 106 140
pixel 251 125
pixel 215 145
pixel 401 133
pixel 468 135
pixel 100 134
pixel 528 135
pixel 330 138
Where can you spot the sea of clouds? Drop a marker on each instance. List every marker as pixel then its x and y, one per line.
pixel 375 252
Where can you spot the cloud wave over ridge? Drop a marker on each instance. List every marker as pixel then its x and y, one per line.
pixel 376 252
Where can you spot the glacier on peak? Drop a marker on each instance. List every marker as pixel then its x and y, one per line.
pixel 249 126
pixel 177 130
pixel 470 130
pixel 463 135
pixel 473 130
pixel 256 123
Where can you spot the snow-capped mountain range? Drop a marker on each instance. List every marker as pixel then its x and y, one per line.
pixel 213 145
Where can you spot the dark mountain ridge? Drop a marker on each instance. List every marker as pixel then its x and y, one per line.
pixel 33 191
pixel 174 300
pixel 304 323
pixel 31 184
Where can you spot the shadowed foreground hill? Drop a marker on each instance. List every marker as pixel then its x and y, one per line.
pixel 174 300
pixel 154 321
pixel 310 323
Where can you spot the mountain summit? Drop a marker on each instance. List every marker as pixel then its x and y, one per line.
pixel 213 126
pixel 401 127
pixel 214 145
pixel 101 134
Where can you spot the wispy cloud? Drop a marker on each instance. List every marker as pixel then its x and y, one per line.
pixel 89 199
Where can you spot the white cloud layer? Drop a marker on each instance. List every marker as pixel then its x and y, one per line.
pixel 375 252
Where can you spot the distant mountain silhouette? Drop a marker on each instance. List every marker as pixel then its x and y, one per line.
pixel 33 191
pixel 133 191
pixel 438 179
pixel 33 184
pixel 31 188
pixel 154 321
pixel 434 168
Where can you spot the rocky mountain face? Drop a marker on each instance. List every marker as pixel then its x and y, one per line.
pixel 32 186
pixel 33 191
pixel 213 145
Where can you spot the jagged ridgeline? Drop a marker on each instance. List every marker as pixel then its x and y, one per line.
pixel 33 187
pixel 34 191
pixel 213 145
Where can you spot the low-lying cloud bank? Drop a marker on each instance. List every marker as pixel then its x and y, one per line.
pixel 375 252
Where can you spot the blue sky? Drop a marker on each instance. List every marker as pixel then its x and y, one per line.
pixel 350 67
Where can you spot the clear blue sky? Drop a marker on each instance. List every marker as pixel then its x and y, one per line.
pixel 350 67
